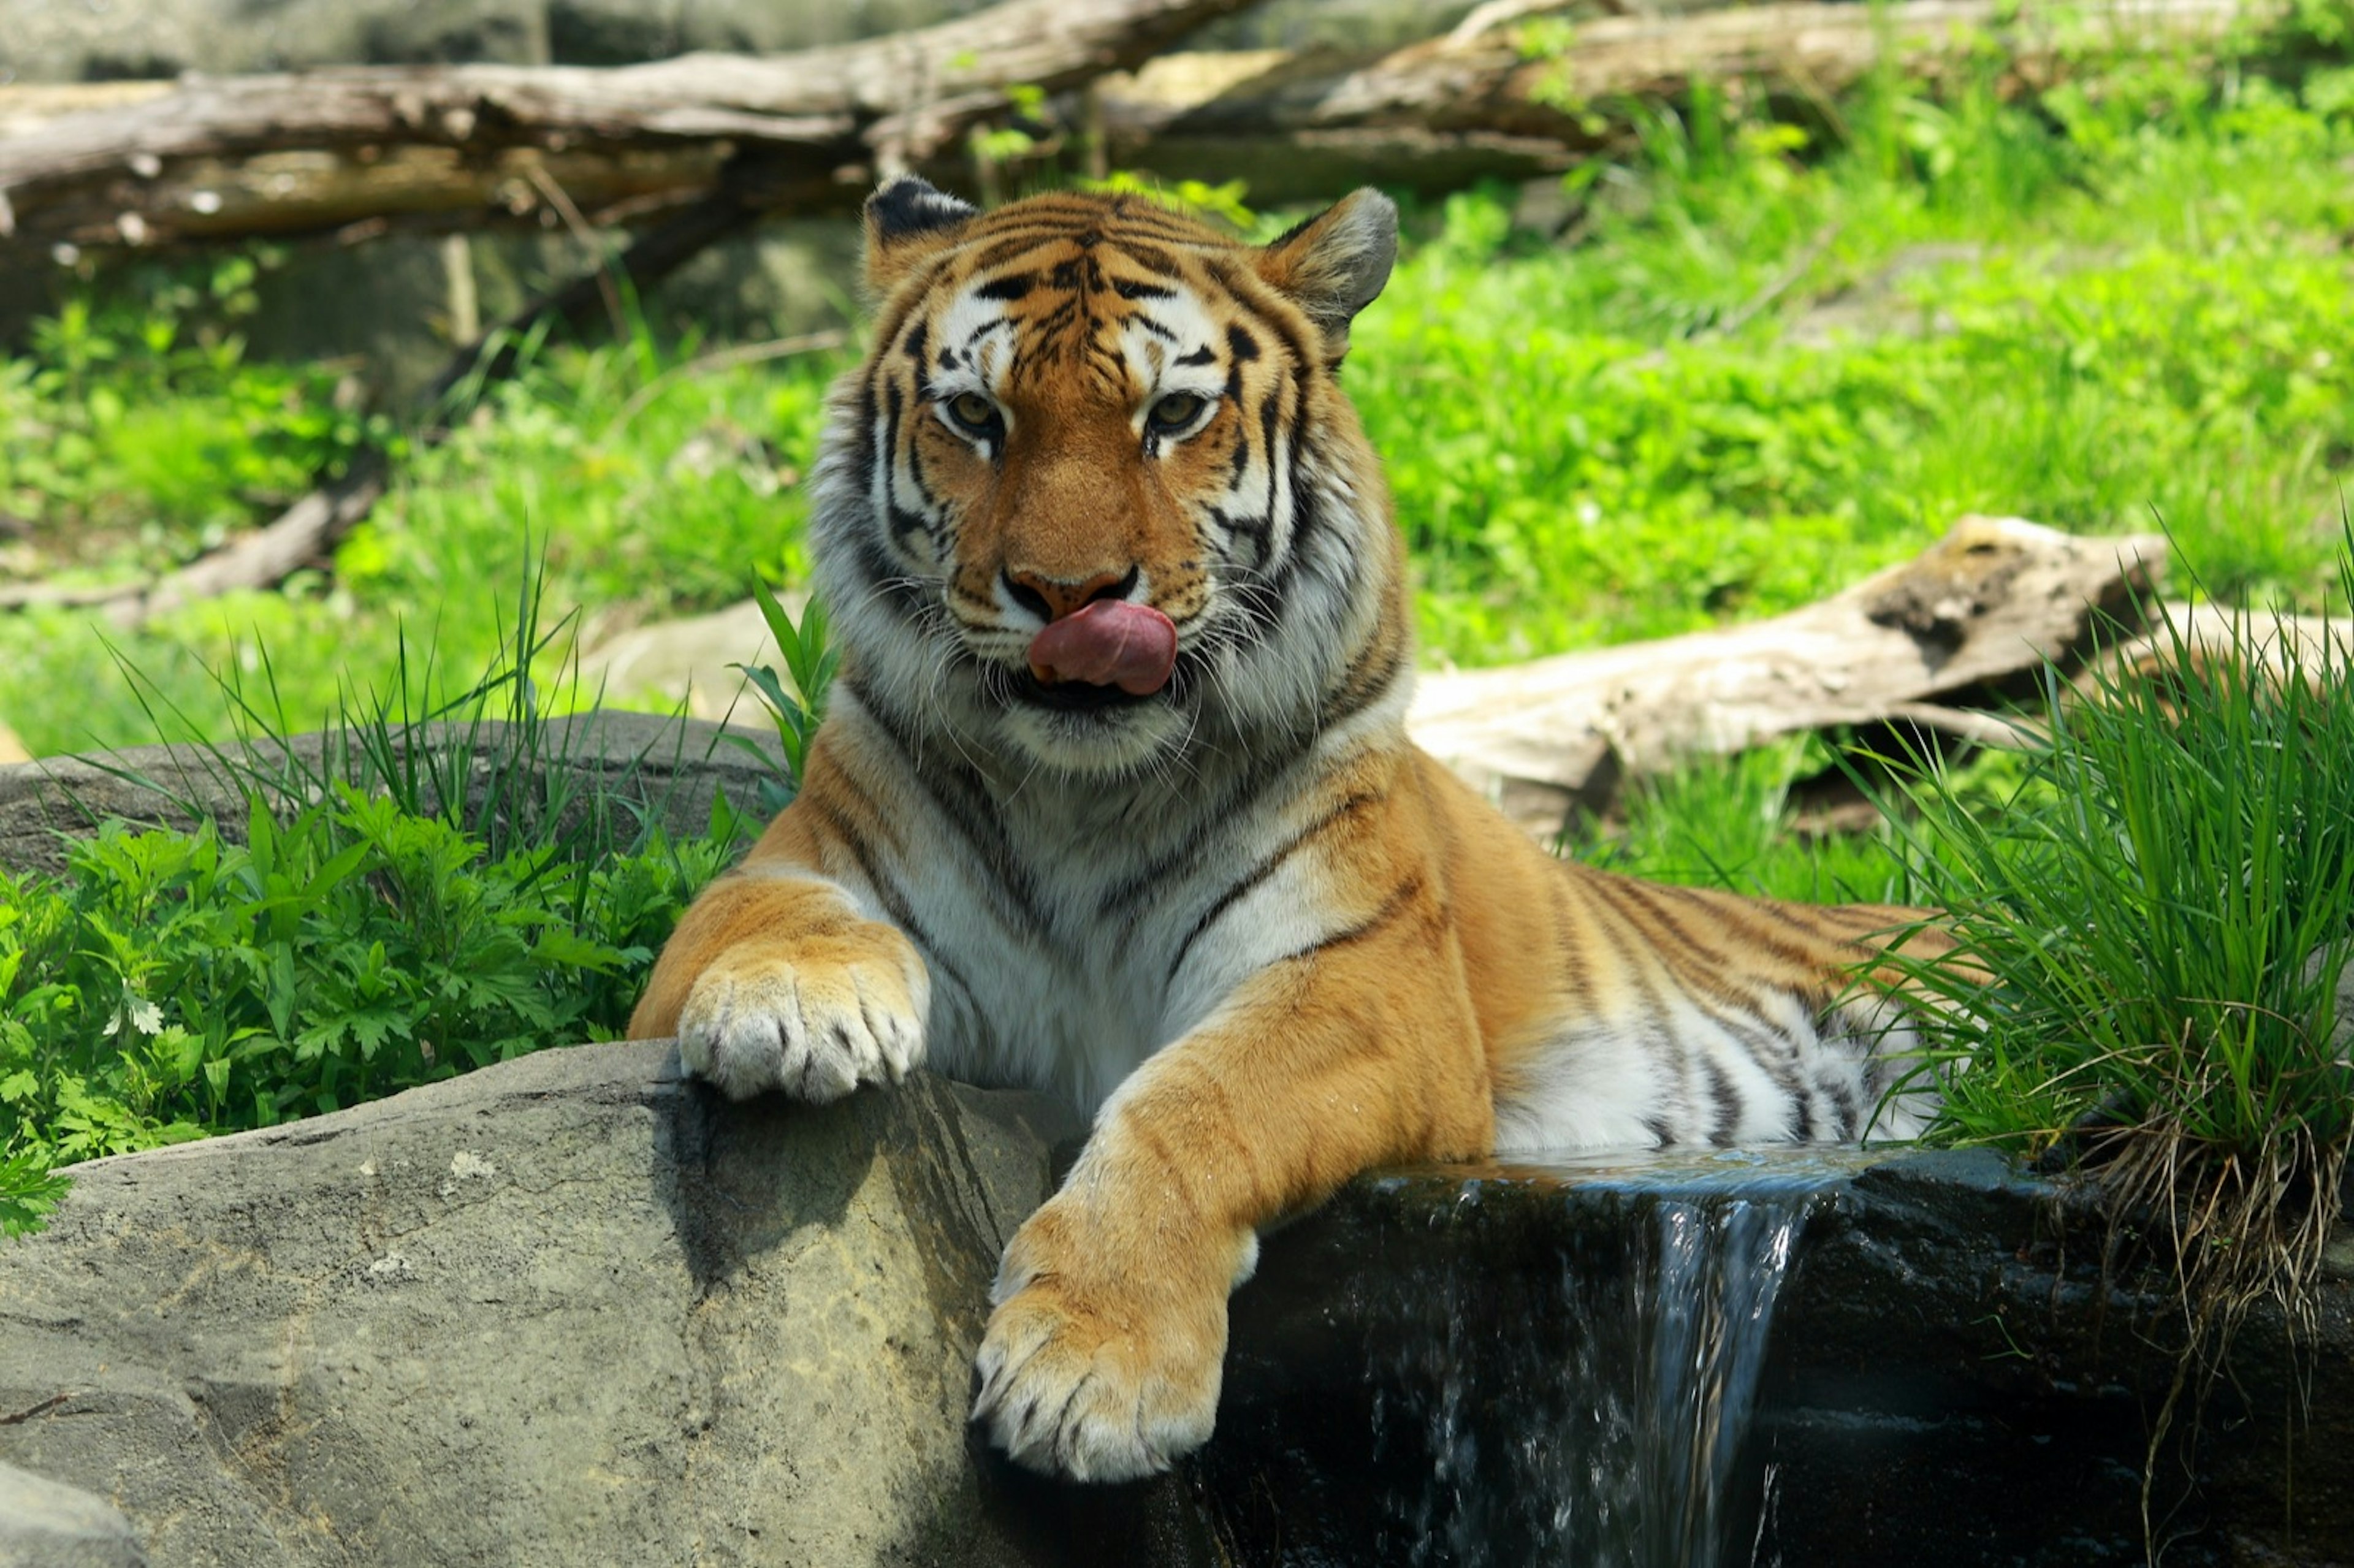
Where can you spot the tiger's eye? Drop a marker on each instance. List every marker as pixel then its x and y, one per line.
pixel 972 410
pixel 1174 411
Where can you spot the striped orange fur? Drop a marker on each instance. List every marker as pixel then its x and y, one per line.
pixel 1211 891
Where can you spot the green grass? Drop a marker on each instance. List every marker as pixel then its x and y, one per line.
pixel 1731 823
pixel 2158 913
pixel 1764 365
pixel 2145 325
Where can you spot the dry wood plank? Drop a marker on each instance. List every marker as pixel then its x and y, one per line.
pixel 314 151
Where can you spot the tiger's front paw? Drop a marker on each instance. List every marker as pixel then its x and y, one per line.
pixel 1096 1373
pixel 814 1016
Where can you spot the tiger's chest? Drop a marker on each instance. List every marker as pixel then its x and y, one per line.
pixel 1067 996
pixel 1062 955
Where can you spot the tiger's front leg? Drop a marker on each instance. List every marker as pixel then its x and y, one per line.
pixel 1103 1357
pixel 774 982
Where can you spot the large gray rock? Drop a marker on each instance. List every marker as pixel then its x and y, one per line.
pixel 566 1310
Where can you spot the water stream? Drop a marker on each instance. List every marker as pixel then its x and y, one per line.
pixel 1617 1433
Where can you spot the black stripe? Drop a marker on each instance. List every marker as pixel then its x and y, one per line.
pixel 1008 288
pixel 1841 1094
pixel 1259 874
pixel 885 576
pixel 1567 947
pixel 999 249
pixel 1780 947
pixel 1713 963
pixel 1391 907
pixel 1658 1043
pixel 940 778
pixel 1725 1101
pixel 1261 301
pixel 1270 416
pixel 1307 522
pixel 1261 771
pixel 923 489
pixel 1733 1009
pixel 957 794
pixel 887 330
pixel 863 463
pixel 1258 530
pixel 901 520
pixel 1362 684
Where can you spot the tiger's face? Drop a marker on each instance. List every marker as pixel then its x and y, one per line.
pixel 1095 497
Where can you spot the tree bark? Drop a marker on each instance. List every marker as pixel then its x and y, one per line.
pixel 316 150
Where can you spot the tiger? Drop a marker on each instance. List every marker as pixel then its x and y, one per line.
pixel 1114 800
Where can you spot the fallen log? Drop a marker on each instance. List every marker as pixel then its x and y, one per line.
pixel 315 151
pixel 1931 638
pixel 358 150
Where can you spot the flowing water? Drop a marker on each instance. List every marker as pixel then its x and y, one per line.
pixel 1618 1433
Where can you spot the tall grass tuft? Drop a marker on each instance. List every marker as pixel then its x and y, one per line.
pixel 2162 908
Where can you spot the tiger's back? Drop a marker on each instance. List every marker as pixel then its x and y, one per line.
pixel 1117 799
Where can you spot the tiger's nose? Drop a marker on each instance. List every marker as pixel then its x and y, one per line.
pixel 1052 598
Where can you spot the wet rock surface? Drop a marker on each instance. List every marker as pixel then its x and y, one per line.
pixel 1439 1368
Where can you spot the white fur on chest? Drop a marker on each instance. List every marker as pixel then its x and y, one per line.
pixel 1074 936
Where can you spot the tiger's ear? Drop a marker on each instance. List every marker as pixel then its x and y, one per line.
pixel 908 219
pixel 1333 265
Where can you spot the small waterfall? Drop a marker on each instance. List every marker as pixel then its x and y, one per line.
pixel 1608 1426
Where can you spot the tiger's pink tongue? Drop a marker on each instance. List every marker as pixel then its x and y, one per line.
pixel 1110 643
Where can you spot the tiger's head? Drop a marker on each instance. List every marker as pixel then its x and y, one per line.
pixel 1095 497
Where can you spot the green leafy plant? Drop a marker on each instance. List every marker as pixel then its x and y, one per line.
pixel 139 427
pixel 810 662
pixel 169 985
pixel 433 885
